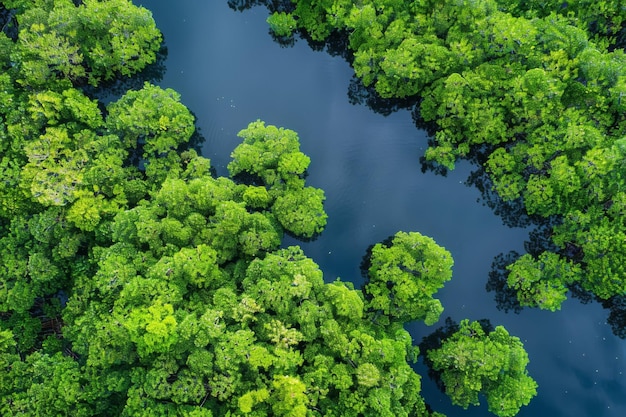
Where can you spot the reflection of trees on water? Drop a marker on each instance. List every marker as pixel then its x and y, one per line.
pixel 617 315
pixel 283 41
pixel 539 240
pixel 272 5
pixel 615 305
pixel 434 341
pixel 366 261
pixel 359 94
pixel 513 213
pixel 197 139
pixel 505 297
pixel 8 22
pixel 336 44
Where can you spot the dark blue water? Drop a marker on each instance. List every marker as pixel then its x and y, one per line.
pixel 230 72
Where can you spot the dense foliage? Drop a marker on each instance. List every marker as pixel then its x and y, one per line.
pixel 135 282
pixel 403 277
pixel 474 362
pixel 535 89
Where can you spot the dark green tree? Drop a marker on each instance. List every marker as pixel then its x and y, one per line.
pixel 472 362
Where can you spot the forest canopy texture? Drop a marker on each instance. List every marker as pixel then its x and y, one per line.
pixel 135 282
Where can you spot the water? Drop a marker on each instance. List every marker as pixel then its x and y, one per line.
pixel 229 72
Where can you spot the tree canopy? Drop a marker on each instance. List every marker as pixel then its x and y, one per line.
pixel 271 157
pixel 473 362
pixel 135 282
pixel 404 276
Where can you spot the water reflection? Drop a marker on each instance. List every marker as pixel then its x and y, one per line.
pixel 283 41
pixel 359 94
pixel 197 139
pixel 366 262
pixel 539 241
pixel 617 315
pixel 513 213
pixel 505 297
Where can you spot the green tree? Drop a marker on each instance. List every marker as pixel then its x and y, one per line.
pixel 301 211
pixel 46 56
pixel 270 153
pixel 151 117
pixel 542 282
pixel 282 24
pixel 473 362
pixel 124 42
pixel 289 398
pixel 272 156
pixel 93 41
pixel 404 275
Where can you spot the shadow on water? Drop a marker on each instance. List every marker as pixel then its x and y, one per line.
pixel 197 138
pixel 617 315
pixel 359 94
pixel 366 261
pixel 513 213
pixel 8 22
pixel 539 241
pixel 505 297
pixel 283 41
pixel 273 5
pixel 336 44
